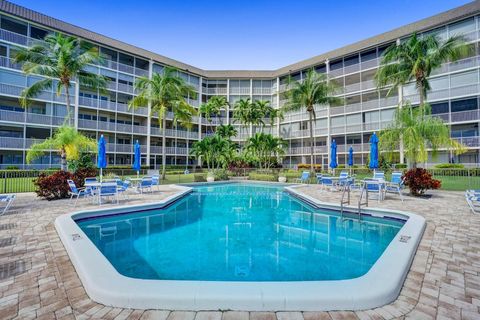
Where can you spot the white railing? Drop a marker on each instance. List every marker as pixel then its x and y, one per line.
pixel 124 127
pixel 465 116
pixel 140 129
pixel 471 142
pixel 237 90
pixel 87 124
pixel 9 63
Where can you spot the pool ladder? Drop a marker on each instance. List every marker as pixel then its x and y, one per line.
pixel 343 202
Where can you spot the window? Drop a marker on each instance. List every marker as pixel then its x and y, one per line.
pixel 125 59
pixel 461 27
pixel 371 117
pixel 14 26
pixel 438 108
pixel 368 55
pixel 350 61
pixel 37 33
pixel 3 51
pixel 321 68
pixel 337 121
pixel 464 105
pixel 335 65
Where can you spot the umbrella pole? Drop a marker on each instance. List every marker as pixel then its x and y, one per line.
pixel 138 174
pixel 101 171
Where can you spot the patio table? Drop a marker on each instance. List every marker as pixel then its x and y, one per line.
pixel 379 182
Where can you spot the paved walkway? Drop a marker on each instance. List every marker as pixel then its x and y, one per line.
pixel 37 279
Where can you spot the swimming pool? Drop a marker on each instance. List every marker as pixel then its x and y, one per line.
pixel 240 232
pixel 240 246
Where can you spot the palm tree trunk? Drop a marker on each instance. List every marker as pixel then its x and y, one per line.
pixel 63 160
pixel 310 123
pixel 67 101
pixel 164 142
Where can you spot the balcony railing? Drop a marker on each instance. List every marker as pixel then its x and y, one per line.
pixel 12 116
pixel 11 143
pixel 471 142
pixel 9 63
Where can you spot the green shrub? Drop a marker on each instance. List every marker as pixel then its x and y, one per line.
pixel 400 166
pixel 220 175
pixel 449 166
pixel 262 176
pixel 306 166
pixel 199 177
pixel 11 168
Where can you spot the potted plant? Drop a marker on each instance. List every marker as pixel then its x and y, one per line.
pixel 210 176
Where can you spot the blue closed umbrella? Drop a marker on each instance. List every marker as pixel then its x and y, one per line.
pixel 136 158
pixel 102 156
pixel 373 152
pixel 350 156
pixel 333 155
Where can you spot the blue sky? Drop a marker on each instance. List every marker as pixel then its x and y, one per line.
pixel 242 34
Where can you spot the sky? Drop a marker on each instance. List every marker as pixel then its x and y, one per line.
pixel 242 34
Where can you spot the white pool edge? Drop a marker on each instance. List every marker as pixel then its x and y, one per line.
pixel 380 286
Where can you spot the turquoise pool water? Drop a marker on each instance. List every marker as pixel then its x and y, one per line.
pixel 240 232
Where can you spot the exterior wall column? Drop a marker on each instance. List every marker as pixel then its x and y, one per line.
pixel 400 105
pixel 76 104
pixel 200 89
pixel 327 67
pixel 251 99
pixel 277 98
pixel 227 108
pixel 149 119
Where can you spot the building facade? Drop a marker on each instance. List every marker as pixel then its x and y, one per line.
pixel 454 96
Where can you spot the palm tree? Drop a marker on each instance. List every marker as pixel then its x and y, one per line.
pixel 201 150
pixel 68 141
pixel 415 59
pixel 419 131
pixel 165 92
pixel 264 147
pixel 61 58
pixel 315 89
pixel 213 107
pixel 227 131
pixel 247 113
pixel 264 109
pixel 215 150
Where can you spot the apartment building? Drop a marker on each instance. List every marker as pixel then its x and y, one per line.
pixel 454 96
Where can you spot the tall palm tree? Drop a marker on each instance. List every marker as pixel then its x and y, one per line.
pixel 315 89
pixel 61 58
pixel 202 150
pixel 68 141
pixel 264 108
pixel 212 108
pixel 419 131
pixel 227 131
pixel 165 92
pixel 264 147
pixel 247 113
pixel 414 60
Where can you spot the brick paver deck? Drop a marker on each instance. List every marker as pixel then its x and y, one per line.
pixel 37 279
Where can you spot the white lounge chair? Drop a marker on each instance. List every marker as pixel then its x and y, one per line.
pixel 395 185
pixel 78 192
pixel 8 200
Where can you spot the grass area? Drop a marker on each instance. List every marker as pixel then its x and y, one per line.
pixel 457 183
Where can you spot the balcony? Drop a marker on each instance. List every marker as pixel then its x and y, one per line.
pixel 108 105
pixel 355 127
pixel 9 63
pixel 125 88
pixel 12 116
pixel 140 129
pixel 141 110
pixel 127 128
pixel 89 102
pixel 155 149
pixel 239 91
pixel 124 148
pixel 125 68
pixel 370 64
pixel 262 91
pixel 122 107
pixel 11 143
pixel 141 72
pixel 471 142
pixel 87 124
pixel 215 91
pixel 106 126
pixel 354 107
pixel 462 116
pixel 44 119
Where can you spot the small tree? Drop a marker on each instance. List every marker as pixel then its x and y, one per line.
pixel 68 141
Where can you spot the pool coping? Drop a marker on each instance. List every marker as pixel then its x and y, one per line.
pixel 105 285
